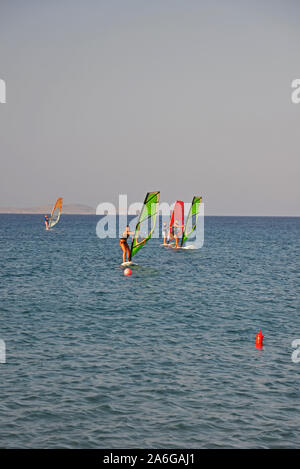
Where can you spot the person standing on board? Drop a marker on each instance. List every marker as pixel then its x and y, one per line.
pixel 172 232
pixel 47 222
pixel 177 230
pixel 124 244
pixel 164 233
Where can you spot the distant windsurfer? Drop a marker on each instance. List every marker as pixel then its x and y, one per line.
pixel 47 222
pixel 124 244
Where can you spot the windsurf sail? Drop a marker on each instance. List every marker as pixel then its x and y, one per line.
pixel 56 212
pixel 191 220
pixel 146 223
pixel 176 220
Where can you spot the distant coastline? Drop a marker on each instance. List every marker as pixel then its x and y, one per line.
pixel 68 209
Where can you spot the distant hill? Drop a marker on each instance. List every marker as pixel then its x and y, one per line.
pixel 68 209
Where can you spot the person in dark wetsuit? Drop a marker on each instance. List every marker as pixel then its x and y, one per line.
pixel 124 244
pixel 47 222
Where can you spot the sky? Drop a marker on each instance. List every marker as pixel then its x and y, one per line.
pixel 187 97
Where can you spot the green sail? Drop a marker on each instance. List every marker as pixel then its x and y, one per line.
pixel 191 220
pixel 145 225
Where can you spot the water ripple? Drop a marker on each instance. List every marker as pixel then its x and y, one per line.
pixel 164 358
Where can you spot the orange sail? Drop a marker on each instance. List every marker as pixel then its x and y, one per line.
pixel 56 212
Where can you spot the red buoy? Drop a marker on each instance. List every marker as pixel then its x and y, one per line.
pixel 259 340
pixel 127 272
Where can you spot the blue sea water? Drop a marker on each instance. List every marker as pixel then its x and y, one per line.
pixel 165 358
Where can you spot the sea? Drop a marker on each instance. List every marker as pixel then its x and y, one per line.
pixel 164 358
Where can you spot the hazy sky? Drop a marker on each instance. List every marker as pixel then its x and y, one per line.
pixel 128 96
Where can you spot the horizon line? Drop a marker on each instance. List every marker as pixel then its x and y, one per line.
pixel 134 215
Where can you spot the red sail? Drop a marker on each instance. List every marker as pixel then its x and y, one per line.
pixel 177 220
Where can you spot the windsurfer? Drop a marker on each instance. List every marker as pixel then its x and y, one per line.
pixel 124 244
pixel 177 230
pixel 164 233
pixel 47 222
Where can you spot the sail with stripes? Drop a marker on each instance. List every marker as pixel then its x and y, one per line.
pixel 146 223
pixel 191 220
pixel 56 212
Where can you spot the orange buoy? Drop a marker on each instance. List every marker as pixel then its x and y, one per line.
pixel 127 272
pixel 259 340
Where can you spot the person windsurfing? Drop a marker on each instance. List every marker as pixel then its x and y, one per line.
pixel 47 222
pixel 177 231
pixel 124 244
pixel 164 233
